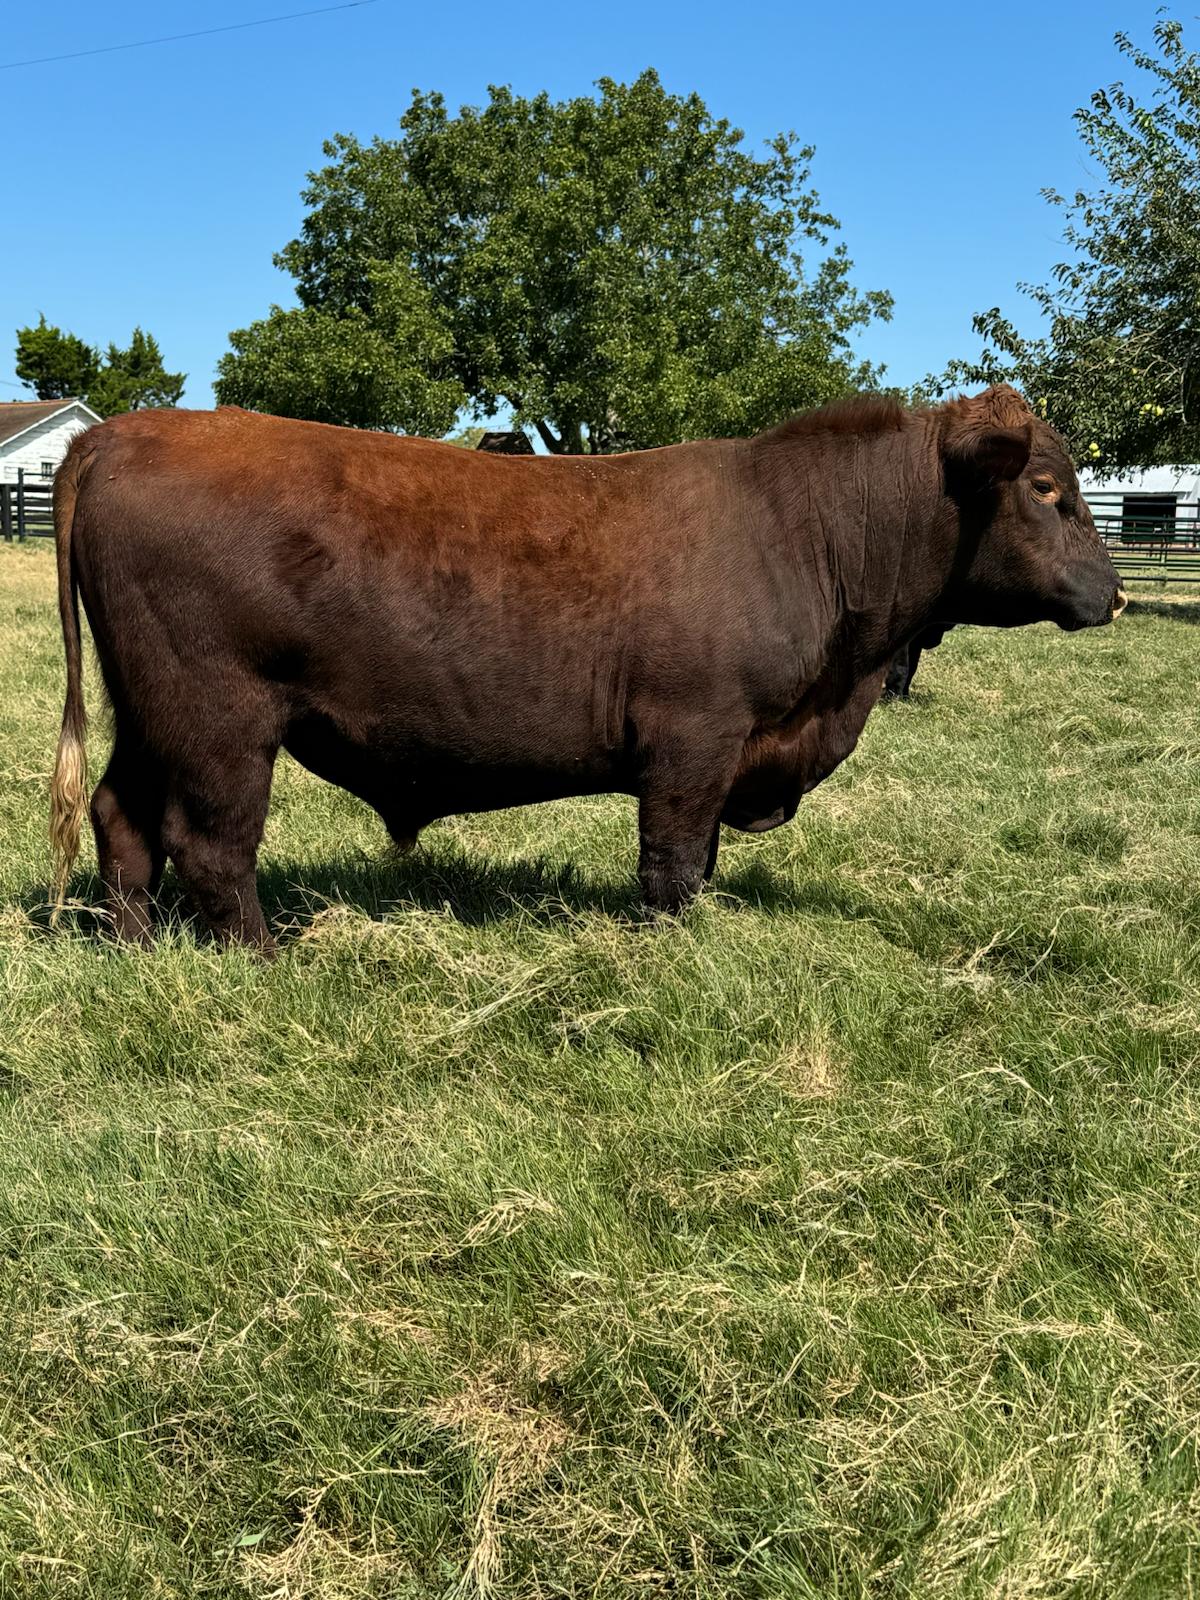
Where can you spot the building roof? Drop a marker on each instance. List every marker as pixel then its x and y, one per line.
pixel 18 415
pixel 1182 481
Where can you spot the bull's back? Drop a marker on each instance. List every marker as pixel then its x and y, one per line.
pixel 265 495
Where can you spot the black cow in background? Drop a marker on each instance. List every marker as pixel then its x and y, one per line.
pixel 506 444
pixel 904 663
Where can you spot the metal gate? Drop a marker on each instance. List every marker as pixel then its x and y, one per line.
pixel 27 508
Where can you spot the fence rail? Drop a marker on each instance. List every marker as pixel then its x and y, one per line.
pixel 27 508
pixel 1147 547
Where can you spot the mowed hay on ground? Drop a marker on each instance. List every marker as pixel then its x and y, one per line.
pixel 838 1241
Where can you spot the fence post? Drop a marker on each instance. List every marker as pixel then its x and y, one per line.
pixel 6 512
pixel 20 505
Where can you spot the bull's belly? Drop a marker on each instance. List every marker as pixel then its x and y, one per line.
pixel 413 772
pixel 411 782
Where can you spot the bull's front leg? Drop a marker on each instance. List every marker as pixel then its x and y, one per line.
pixel 403 837
pixel 683 791
pixel 714 846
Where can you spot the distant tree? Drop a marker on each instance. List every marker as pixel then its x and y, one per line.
pixel 134 379
pixel 1118 371
pixel 54 364
pixel 612 270
pixel 58 366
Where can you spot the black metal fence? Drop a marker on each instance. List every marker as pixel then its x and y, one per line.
pixel 27 508
pixel 1148 545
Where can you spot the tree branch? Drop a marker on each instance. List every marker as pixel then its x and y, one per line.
pixel 555 446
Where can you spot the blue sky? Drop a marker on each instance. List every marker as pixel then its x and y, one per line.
pixel 153 185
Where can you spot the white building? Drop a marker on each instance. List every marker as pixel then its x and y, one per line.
pixel 1145 499
pixel 34 434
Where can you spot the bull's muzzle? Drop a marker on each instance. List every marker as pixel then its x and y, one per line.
pixel 1120 601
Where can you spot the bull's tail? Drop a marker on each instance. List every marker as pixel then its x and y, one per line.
pixel 68 788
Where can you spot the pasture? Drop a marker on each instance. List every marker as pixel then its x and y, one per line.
pixel 840 1240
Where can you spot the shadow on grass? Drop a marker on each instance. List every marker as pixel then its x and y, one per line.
pixel 1181 610
pixel 83 913
pixel 478 891
pixel 475 890
pixel 754 882
pixel 917 698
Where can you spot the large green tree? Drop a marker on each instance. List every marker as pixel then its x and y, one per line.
pixel 58 366
pixel 1118 368
pixel 613 270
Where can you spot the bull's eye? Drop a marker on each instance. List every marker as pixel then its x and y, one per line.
pixel 1045 487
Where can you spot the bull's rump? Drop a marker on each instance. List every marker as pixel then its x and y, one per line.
pixel 487 622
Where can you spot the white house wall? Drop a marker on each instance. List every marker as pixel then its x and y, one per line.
pixel 45 441
pixel 1181 481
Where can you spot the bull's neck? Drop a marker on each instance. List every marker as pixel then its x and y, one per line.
pixel 864 517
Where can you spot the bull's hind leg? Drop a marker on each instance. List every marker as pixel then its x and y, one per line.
pixel 212 829
pixel 127 816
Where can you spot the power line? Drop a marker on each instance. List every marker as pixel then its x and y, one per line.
pixel 171 38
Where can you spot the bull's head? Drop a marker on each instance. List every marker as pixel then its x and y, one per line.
pixel 1028 548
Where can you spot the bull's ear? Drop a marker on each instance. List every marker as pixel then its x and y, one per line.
pixel 989 437
pixel 998 455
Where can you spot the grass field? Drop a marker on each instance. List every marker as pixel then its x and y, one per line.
pixel 838 1241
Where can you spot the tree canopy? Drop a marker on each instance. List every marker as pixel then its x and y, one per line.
pixel 613 270
pixel 54 364
pixel 1117 370
pixel 59 366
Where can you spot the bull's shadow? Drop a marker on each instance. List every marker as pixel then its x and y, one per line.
pixel 478 890
pixel 1172 610
pixel 475 889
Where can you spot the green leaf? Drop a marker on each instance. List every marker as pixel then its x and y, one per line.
pixel 244 1541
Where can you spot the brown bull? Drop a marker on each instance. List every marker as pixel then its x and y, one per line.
pixel 704 627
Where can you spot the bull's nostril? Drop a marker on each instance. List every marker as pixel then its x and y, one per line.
pixel 1120 601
